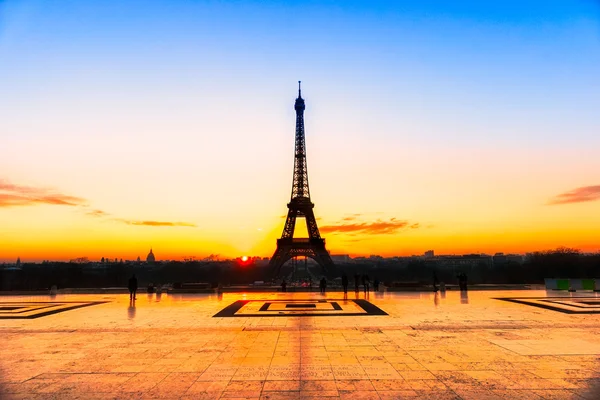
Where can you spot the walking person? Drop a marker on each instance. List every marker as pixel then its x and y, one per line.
pixel 356 279
pixel 345 283
pixel 366 282
pixel 323 285
pixel 132 286
pixel 462 281
pixel 283 286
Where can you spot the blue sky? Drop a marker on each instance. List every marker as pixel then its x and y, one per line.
pixel 511 59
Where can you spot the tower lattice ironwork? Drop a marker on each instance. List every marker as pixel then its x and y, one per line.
pixel 300 206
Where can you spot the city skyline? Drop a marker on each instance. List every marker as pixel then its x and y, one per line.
pixel 467 129
pixel 250 257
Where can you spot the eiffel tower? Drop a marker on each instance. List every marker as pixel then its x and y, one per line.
pixel 300 206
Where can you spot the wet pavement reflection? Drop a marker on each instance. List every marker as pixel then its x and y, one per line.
pixel 131 309
pixel 443 345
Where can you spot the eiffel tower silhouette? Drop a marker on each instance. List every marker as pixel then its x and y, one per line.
pixel 300 206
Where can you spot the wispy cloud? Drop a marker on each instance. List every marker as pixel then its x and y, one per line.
pixel 378 227
pixel 155 223
pixel 12 195
pixel 97 213
pixel 353 217
pixel 579 195
pixel 101 214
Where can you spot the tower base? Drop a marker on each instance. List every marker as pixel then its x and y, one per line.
pixel 288 248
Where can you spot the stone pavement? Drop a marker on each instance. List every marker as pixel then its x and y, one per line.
pixel 428 346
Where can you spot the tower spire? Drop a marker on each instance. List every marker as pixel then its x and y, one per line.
pixel 299 90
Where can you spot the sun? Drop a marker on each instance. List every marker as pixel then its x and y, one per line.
pixel 244 258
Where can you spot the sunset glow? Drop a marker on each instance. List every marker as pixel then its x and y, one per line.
pixel 171 125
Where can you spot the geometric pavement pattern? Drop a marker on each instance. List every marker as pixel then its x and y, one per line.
pixel 31 310
pixel 573 305
pixel 300 308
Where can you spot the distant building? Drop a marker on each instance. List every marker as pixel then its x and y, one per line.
pixel 516 258
pixel 18 261
pixel 150 257
pixel 464 262
pixel 340 258
pixel 429 254
pixel 501 259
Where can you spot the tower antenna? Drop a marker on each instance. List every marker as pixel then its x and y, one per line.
pixel 299 89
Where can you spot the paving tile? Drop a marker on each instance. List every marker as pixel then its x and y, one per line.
pixel 284 372
pixel 282 386
pixel 258 373
pixel 397 394
pixel 349 372
pixel 315 372
pixel 318 385
pixel 142 382
pixel 556 394
pixel 409 375
pixel 354 385
pixel 285 395
pixel 359 395
pixel 319 393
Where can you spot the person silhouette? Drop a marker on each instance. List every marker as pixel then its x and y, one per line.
pixel 323 285
pixel 462 281
pixel 283 286
pixel 356 282
pixel 345 283
pixel 132 286
pixel 365 281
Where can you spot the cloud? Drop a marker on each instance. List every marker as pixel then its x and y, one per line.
pixel 12 195
pixel 579 195
pixel 100 214
pixel 97 213
pixel 372 228
pixel 16 195
pixel 155 223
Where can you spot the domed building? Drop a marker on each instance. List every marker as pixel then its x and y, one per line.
pixel 150 257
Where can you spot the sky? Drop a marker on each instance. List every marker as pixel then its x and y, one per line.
pixel 462 127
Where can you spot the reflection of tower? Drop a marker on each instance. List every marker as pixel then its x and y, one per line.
pixel 300 206
pixel 150 257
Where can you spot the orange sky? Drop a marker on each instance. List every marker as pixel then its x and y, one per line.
pixel 428 126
